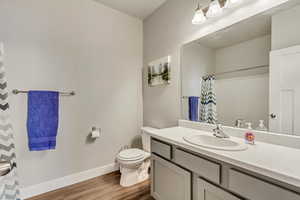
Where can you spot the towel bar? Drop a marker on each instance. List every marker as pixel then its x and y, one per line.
pixel 72 93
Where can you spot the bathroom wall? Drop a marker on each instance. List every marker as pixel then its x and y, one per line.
pixel 243 95
pixel 243 98
pixel 165 32
pixel 285 28
pixel 251 53
pixel 81 46
pixel 196 61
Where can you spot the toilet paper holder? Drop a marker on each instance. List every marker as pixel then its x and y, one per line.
pixel 95 132
pixel 94 128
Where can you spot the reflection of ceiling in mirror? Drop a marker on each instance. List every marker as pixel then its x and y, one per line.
pixel 246 30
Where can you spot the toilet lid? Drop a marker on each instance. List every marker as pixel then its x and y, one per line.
pixel 131 154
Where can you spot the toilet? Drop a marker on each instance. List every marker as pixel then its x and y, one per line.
pixel 134 163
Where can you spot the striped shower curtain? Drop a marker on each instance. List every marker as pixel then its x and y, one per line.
pixel 9 185
pixel 208 104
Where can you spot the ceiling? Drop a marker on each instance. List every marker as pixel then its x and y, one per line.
pixel 137 8
pixel 243 31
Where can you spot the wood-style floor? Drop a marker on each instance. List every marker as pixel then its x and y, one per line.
pixel 101 188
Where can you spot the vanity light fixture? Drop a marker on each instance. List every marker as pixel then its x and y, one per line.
pixel 199 16
pixel 231 3
pixel 214 9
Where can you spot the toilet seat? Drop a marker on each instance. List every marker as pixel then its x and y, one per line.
pixel 131 155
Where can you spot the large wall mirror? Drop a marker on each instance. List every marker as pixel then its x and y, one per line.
pixel 246 75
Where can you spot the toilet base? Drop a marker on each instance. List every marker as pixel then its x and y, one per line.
pixel 131 176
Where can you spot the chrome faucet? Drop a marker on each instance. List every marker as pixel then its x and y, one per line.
pixel 239 123
pixel 219 133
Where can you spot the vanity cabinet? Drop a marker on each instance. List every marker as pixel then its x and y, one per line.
pixel 180 174
pixel 169 182
pixel 208 191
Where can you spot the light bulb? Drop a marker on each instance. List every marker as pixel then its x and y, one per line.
pixel 231 3
pixel 199 16
pixel 214 9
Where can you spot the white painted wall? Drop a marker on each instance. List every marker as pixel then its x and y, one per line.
pixel 81 46
pixel 243 95
pixel 285 28
pixel 243 98
pixel 250 53
pixel 165 32
pixel 196 61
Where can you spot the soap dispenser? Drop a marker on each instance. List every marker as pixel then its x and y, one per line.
pixel 249 135
pixel 239 123
pixel 261 126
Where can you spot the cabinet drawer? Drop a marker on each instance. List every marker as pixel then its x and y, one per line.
pixel 256 189
pixel 203 167
pixel 161 149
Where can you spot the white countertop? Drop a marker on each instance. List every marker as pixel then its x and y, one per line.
pixel 278 162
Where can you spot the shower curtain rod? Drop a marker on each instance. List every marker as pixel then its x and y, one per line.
pixel 15 91
pixel 239 70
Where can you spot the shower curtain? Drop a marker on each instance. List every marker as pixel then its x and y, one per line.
pixel 208 104
pixel 9 185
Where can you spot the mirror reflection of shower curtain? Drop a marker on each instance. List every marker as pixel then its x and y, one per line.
pixel 208 104
pixel 9 184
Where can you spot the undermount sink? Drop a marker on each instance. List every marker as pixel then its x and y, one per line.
pixel 215 143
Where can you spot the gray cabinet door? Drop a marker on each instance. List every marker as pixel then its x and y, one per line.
pixel 169 182
pixel 208 191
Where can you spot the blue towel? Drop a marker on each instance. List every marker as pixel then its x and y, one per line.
pixel 42 120
pixel 193 108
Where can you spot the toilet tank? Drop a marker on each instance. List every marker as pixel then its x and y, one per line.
pixel 146 139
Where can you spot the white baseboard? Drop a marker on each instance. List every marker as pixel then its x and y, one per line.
pixel 55 184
